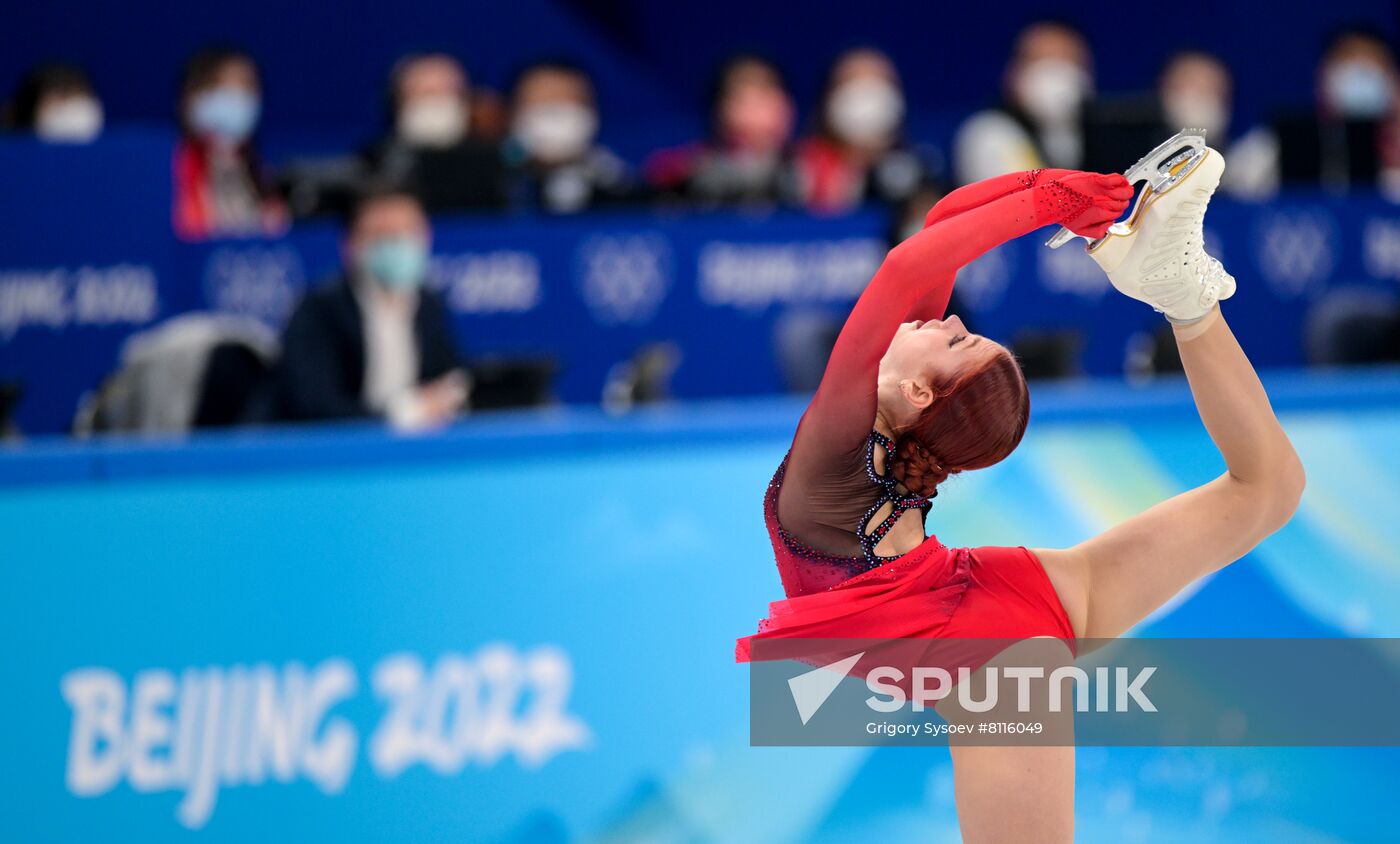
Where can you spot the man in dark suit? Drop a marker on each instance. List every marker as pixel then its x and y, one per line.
pixel 374 342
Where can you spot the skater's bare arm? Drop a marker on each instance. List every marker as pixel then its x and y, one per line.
pixel 1135 567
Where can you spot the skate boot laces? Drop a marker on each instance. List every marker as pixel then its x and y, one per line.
pixel 1212 282
pixel 1178 277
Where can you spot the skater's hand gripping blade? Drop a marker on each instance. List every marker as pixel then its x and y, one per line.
pixel 1161 168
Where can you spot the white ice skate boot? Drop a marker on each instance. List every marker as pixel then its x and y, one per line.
pixel 1158 254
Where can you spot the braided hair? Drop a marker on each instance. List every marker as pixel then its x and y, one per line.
pixel 974 422
pixel 916 469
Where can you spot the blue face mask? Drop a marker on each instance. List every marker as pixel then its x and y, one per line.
pixel 400 263
pixel 1359 90
pixel 229 113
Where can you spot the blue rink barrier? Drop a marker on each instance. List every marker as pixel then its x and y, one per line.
pixel 87 258
pixel 522 629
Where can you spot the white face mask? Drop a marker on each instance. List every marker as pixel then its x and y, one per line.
pixel 1195 110
pixel 73 120
pixel 1358 89
pixel 556 131
pixel 865 111
pixel 228 113
pixel 1051 90
pixel 436 121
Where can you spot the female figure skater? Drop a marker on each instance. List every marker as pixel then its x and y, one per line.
pixel 910 398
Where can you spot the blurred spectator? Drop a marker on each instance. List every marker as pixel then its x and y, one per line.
pixel 1039 123
pixel 859 153
pixel 745 160
pixel 1352 139
pixel 374 342
pixel 559 167
pixel 1195 91
pixel 220 187
pixel 57 103
pixel 432 147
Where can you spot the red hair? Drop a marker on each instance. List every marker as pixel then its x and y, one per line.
pixel 974 422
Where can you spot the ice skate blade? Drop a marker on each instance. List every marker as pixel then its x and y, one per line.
pixel 1120 235
pixel 1162 169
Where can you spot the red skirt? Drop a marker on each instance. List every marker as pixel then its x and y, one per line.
pixel 933 591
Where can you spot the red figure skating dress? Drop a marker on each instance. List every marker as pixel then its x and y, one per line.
pixel 822 501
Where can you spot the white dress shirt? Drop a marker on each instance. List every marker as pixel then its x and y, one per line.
pixel 391 352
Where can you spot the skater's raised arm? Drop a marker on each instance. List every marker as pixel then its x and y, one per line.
pixel 980 193
pixel 1135 567
pixel 1109 583
pixel 920 271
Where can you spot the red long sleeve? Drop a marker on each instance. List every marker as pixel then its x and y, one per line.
pixel 966 224
pixel 964 199
pixel 826 490
pixel 980 193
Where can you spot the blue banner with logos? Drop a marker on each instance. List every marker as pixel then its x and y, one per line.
pixel 591 291
pixel 87 258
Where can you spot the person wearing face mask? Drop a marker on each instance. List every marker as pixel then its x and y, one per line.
pixel 57 103
pixel 746 160
pixel 557 164
pixel 374 342
pixel 220 187
pixel 434 145
pixel 1040 122
pixel 860 154
pixel 1194 90
pixel 1352 140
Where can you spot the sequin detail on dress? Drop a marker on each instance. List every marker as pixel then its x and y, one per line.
pixel 1057 202
pixel 840 567
pixel 899 503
